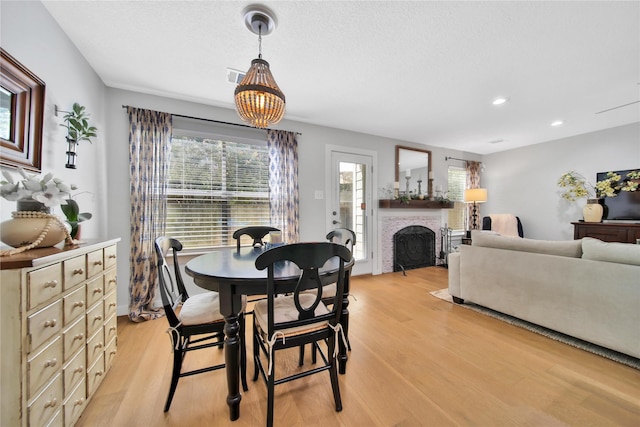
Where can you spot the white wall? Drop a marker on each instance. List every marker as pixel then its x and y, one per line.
pixel 31 36
pixel 524 181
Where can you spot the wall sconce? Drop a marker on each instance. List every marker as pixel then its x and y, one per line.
pixel 78 129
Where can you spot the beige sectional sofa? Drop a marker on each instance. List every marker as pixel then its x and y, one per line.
pixel 584 288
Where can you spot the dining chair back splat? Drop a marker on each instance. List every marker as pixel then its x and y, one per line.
pixel 198 324
pixel 343 236
pixel 256 232
pixel 301 317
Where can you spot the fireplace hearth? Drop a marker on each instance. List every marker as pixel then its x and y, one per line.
pixel 414 247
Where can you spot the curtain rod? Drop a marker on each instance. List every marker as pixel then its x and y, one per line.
pixel 216 121
pixel 462 160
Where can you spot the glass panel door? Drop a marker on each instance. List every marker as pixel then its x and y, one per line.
pixel 351 203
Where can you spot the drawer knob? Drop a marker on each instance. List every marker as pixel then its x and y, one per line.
pixel 97 318
pixel 79 369
pixel 52 362
pixel 97 263
pixel 112 256
pixel 113 328
pixel 78 337
pixel 50 323
pixel 112 281
pixel 51 403
pixel 99 373
pixel 113 352
pixel 113 304
pixel 78 402
pixel 78 304
pixel 52 284
pixel 97 291
pixel 99 345
pixel 78 271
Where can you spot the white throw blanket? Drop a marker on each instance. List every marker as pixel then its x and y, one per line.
pixel 505 224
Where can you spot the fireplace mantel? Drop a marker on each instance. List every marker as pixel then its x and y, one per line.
pixel 414 204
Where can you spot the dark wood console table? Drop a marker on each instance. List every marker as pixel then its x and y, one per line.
pixel 607 231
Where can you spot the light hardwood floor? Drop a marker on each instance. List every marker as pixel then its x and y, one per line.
pixel 416 361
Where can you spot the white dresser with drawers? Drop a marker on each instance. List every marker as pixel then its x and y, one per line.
pixel 58 334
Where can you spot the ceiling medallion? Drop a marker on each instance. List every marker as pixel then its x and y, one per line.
pixel 259 100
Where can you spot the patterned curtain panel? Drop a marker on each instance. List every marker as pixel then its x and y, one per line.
pixel 283 183
pixel 473 181
pixel 149 151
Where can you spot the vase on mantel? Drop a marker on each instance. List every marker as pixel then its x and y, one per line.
pixel 592 211
pixel 23 231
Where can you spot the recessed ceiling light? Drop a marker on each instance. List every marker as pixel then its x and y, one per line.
pixel 500 101
pixel 557 123
pixel 496 141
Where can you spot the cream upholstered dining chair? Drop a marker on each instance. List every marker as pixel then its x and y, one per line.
pixel 195 322
pixel 298 318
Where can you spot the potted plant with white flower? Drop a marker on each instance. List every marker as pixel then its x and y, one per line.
pixel 33 225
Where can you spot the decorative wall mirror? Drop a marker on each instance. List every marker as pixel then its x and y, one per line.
pixel 413 171
pixel 21 115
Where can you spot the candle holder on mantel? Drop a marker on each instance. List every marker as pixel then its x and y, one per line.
pixel 407 187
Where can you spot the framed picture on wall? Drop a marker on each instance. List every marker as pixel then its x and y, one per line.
pixel 21 115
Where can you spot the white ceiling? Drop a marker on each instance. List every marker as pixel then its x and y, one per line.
pixel 421 71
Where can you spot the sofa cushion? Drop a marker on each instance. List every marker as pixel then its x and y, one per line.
pixel 567 248
pixel 622 253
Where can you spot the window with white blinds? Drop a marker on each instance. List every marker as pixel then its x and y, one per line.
pixel 216 185
pixel 457 181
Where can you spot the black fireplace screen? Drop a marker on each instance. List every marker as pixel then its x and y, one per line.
pixel 414 247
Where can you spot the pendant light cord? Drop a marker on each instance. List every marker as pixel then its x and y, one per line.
pixel 260 41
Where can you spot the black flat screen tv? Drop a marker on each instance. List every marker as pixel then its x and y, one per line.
pixel 625 206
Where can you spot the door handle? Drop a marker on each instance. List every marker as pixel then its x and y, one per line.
pixel 336 222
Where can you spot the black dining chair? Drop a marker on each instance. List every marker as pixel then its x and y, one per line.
pixel 298 318
pixel 256 232
pixel 198 324
pixel 346 237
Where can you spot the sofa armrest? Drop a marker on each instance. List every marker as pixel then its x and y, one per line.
pixel 453 262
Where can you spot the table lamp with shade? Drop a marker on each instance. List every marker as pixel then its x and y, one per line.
pixel 475 195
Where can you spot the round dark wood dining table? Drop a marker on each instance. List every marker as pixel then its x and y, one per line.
pixel 232 273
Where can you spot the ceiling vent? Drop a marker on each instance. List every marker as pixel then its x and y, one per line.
pixel 235 76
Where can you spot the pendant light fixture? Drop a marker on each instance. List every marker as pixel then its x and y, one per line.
pixel 259 100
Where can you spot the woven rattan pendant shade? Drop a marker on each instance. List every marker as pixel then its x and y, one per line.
pixel 259 100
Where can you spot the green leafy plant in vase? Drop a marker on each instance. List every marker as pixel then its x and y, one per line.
pixel 78 129
pixel 72 211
